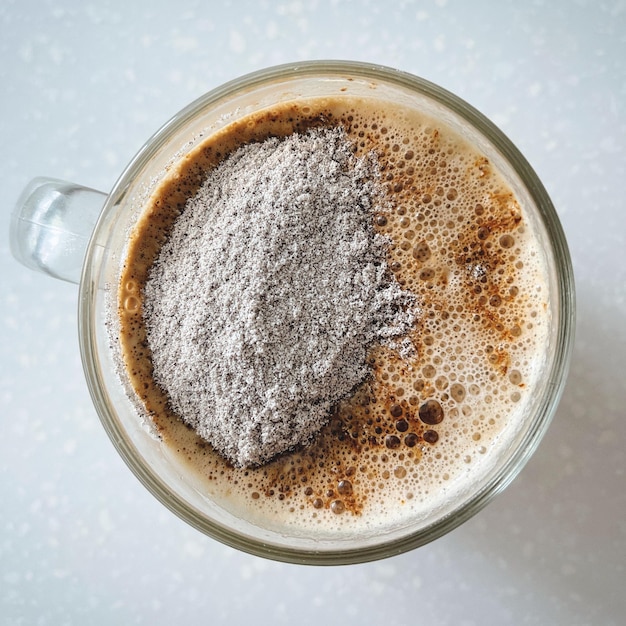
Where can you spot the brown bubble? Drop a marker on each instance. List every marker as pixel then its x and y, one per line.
pixel 431 436
pixel 392 442
pixel 131 304
pixel 395 410
pixel 411 440
pixel 457 391
pixel 431 412
pixel 337 507
pixel 441 383
pixel 344 487
pixel 428 371
pixel 421 252
pixel 428 273
pixel 402 426
pixel 399 472
pixel 507 241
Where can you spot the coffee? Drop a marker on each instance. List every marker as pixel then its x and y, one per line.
pixel 424 426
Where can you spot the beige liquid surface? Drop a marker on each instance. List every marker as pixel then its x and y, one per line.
pixel 423 427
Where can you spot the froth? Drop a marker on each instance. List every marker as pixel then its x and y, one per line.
pixel 431 419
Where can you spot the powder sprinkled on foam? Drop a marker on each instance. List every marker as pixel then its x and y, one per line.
pixel 270 289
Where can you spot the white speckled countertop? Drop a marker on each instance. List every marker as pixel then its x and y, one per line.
pixel 82 542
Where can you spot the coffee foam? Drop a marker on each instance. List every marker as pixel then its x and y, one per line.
pixel 429 424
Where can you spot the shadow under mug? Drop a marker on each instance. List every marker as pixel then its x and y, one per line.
pixel 79 234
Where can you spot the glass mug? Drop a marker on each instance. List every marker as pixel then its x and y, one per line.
pixel 79 234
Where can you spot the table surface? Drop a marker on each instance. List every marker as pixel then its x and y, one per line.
pixel 81 541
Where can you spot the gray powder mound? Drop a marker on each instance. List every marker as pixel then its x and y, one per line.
pixel 267 295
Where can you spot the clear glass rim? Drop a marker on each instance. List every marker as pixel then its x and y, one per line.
pixel 563 342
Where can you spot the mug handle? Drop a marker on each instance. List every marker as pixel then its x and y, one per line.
pixel 51 225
